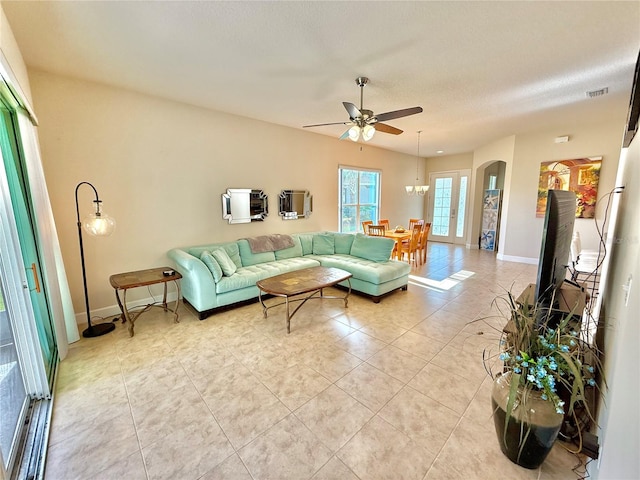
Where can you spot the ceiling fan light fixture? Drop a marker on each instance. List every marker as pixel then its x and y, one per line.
pixel 368 132
pixel 354 133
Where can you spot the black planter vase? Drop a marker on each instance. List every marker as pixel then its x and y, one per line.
pixel 533 424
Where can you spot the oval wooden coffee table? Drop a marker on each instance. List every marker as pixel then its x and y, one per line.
pixel 308 280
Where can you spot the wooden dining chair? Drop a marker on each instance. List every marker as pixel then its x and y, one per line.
pixel 376 230
pixel 412 223
pixel 365 226
pixel 415 221
pixel 385 223
pixel 411 248
pixel 422 243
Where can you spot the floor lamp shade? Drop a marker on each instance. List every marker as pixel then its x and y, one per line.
pixel 95 224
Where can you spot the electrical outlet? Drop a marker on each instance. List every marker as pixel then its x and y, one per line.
pixel 627 290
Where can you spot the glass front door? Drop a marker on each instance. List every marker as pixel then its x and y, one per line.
pixel 447 206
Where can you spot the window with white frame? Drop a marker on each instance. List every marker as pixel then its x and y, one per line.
pixel 359 197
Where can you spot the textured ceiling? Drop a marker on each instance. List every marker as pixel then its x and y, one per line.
pixel 481 70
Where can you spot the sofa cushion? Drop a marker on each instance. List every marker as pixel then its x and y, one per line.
pixel 233 252
pixel 248 276
pixel 212 264
pixel 230 247
pixel 367 270
pixel 323 244
pixel 343 242
pixel 292 252
pixel 372 248
pixel 226 264
pixel 306 240
pixel 249 258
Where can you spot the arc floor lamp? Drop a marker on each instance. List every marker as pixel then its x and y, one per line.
pixel 95 224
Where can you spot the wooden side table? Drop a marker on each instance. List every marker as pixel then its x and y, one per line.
pixel 125 281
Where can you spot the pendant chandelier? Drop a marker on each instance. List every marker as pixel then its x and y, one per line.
pixel 417 189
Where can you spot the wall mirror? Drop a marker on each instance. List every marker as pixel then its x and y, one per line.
pixel 295 204
pixel 244 205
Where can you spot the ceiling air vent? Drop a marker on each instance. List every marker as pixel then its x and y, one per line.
pixel 598 93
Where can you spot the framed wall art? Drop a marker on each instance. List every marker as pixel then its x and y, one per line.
pixel 578 175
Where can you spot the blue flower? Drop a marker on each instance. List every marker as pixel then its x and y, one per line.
pixel 564 348
pixel 531 378
pixel 517 370
pixel 572 342
pixel 592 382
pixel 591 369
pixel 504 356
pixel 544 396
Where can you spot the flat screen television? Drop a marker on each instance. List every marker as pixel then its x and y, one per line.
pixel 556 245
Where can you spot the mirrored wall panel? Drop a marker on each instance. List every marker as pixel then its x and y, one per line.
pixel 244 205
pixel 295 204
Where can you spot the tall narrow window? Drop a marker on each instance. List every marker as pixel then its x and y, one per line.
pixel 359 197
pixel 462 202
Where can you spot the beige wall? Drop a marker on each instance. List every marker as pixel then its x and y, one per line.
pixel 523 235
pixel 520 230
pixel 11 52
pixel 160 167
pixel 448 162
pixel 619 415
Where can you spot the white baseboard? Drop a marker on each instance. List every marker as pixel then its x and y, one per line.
pixel 513 258
pixel 114 310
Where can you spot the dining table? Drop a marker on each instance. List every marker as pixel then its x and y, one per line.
pixel 398 237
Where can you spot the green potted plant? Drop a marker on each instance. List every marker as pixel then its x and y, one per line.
pixel 547 367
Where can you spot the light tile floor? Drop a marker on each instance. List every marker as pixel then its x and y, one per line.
pixel 395 390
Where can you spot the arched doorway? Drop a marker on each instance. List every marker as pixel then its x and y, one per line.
pixel 492 176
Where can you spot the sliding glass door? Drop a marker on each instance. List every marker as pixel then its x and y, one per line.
pixel 26 228
pixel 14 400
pixel 28 349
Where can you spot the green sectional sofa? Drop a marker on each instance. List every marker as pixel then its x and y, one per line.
pixel 220 275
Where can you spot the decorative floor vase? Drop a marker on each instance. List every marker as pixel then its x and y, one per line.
pixel 532 428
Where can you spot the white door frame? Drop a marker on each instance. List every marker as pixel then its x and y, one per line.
pixel 455 237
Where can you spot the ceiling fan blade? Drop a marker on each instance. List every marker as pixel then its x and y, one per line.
pixel 352 109
pixel 398 114
pixel 323 124
pixel 383 127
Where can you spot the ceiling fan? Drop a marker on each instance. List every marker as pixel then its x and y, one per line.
pixel 364 122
